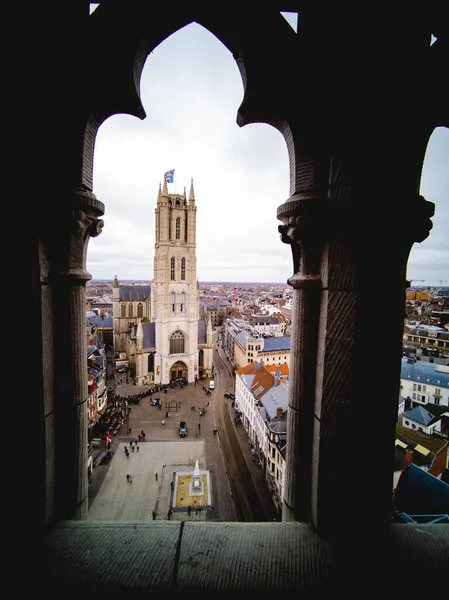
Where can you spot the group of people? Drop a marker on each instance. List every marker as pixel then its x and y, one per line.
pixel 134 447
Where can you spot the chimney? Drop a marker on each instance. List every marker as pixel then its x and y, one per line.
pixel 279 413
pixel 408 458
pixel 277 376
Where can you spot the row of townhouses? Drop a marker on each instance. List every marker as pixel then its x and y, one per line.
pixel 261 399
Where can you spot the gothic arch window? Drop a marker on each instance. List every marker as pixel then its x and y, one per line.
pixel 177 343
pixel 201 358
pixel 172 303
pixel 172 268
pixel 178 228
pixel 130 311
pixel 183 269
pixel 186 222
pixel 123 310
pixel 140 309
pixel 151 363
pixel 183 303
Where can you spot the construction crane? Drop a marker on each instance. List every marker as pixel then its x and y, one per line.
pixel 409 282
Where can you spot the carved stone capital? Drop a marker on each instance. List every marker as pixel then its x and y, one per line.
pixel 304 219
pixel 308 222
pixel 78 221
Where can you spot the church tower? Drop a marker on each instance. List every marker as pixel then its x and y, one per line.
pixel 174 289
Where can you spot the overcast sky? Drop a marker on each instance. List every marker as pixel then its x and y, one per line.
pixel 239 181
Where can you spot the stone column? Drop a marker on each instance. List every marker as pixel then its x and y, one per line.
pixel 78 220
pixel 303 228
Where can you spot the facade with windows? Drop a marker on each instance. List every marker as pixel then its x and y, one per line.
pixel 261 406
pixel 159 325
pixel 425 386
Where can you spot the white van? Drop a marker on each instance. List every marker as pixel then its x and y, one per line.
pixel 211 384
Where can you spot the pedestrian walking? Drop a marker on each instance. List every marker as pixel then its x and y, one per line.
pixel 189 510
pixel 163 421
pixel 130 479
pixel 132 448
pixel 155 476
pixel 137 448
pixel 127 478
pixel 126 451
pixel 154 515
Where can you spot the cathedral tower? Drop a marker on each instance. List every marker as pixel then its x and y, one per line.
pixel 174 290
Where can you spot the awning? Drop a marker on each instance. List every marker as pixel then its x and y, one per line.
pixel 399 443
pixel 421 450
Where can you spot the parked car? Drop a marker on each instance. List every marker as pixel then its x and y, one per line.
pixel 211 384
pixel 229 395
pixel 182 429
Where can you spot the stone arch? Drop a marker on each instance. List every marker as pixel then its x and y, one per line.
pixel 179 370
pixel 117 47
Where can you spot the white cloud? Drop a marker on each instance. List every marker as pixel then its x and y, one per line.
pixel 191 90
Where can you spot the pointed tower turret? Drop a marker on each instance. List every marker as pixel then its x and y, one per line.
pixel 165 188
pixel 192 193
pixel 159 194
pixel 210 331
pixel 139 337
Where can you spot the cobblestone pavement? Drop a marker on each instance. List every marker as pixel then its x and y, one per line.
pixel 113 498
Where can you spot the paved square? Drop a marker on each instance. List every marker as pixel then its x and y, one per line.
pixel 152 469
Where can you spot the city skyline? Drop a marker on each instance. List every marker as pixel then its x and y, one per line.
pixel 239 182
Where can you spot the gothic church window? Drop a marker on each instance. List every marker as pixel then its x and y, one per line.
pixel 123 310
pixel 140 309
pixel 172 268
pixel 172 303
pixel 130 311
pixel 151 363
pixel 183 269
pixel 178 228
pixel 183 303
pixel 177 343
pixel 185 228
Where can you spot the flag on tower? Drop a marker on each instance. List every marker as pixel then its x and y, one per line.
pixel 169 176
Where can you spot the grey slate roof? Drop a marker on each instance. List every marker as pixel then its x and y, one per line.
pixel 202 331
pixel 107 322
pixel 421 415
pixel 424 372
pixel 276 397
pixel 274 344
pixel 134 293
pixel 149 335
